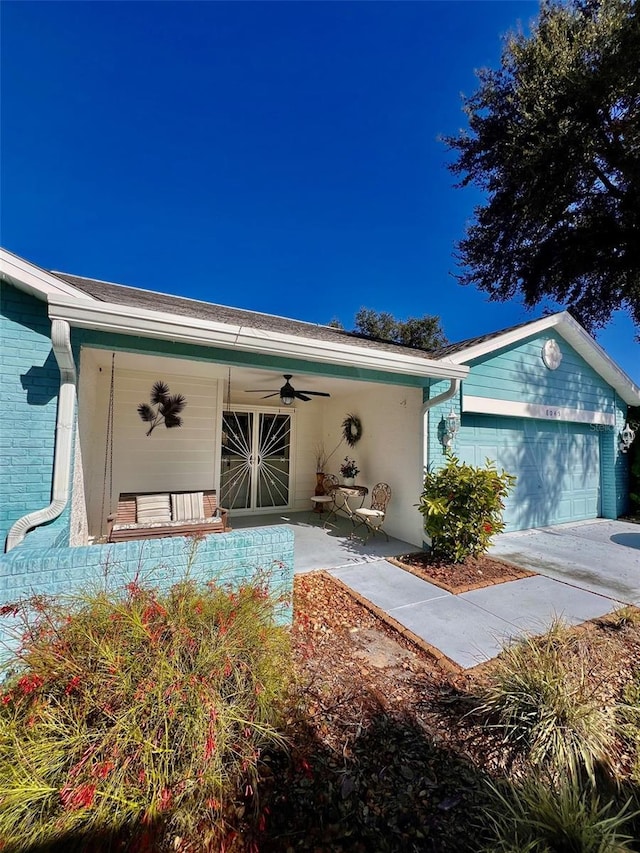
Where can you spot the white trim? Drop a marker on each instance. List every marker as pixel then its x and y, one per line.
pixel 511 408
pixel 160 325
pixel 33 280
pixel 575 335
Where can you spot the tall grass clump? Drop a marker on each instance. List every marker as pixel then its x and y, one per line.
pixel 139 708
pixel 541 697
pixel 543 815
pixel 629 713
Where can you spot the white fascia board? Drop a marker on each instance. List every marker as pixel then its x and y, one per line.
pixel 110 317
pixel 32 279
pixel 505 340
pixel 574 334
pixel 516 409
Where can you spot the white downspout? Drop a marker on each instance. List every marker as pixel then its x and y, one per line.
pixel 61 344
pixel 452 390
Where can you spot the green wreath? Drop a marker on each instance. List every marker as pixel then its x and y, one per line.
pixel 352 430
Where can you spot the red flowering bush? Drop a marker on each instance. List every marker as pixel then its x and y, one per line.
pixel 140 708
pixel 462 508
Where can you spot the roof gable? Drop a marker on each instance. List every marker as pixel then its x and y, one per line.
pixel 562 324
pixel 33 279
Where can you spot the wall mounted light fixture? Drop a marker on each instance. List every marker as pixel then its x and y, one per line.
pixel 626 438
pixel 452 425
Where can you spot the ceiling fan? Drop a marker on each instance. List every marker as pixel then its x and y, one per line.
pixel 288 393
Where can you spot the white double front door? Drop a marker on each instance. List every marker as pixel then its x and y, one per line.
pixel 255 460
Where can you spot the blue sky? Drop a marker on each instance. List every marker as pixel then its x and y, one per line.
pixel 282 157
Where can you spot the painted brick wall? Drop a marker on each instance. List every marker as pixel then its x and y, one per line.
pixel 437 420
pixel 29 382
pixel 615 467
pixel 231 557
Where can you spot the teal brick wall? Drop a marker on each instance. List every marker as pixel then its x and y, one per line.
pixel 230 557
pixel 437 421
pixel 29 382
pixel 615 467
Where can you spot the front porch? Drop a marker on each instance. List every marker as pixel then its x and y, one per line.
pixel 258 454
pixel 318 548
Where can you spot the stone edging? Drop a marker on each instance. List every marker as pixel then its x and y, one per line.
pixel 458 590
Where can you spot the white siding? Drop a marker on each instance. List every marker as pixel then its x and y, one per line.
pixel 183 458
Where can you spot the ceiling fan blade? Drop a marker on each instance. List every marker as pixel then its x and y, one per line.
pixel 301 396
pixel 259 390
pixel 275 394
pixel 316 393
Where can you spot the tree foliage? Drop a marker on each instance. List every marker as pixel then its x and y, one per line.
pixel 417 332
pixel 554 142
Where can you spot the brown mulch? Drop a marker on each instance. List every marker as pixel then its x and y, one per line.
pixel 375 764
pixel 387 752
pixel 473 573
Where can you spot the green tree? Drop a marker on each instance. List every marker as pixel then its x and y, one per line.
pixel 554 142
pixel 417 332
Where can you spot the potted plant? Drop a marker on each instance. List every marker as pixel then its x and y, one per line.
pixel 348 471
pixel 321 461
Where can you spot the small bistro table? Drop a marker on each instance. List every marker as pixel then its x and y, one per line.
pixel 342 495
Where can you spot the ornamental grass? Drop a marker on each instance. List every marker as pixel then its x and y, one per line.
pixel 545 815
pixel 541 694
pixel 137 709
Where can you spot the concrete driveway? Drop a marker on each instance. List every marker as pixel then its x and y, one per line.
pixel 600 556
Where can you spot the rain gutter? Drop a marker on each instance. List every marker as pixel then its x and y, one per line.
pixel 61 344
pixel 452 390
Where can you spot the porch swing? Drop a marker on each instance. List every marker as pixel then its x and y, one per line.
pixel 156 515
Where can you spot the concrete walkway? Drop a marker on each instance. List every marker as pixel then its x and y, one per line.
pixel 584 571
pixel 474 626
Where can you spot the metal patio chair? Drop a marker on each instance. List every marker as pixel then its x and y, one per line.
pixel 373 517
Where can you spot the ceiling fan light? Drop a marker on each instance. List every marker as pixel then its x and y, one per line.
pixel 287 400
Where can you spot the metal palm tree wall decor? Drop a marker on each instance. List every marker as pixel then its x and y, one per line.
pixel 168 408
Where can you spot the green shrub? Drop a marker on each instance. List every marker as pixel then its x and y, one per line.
pixel 462 508
pixel 139 708
pixel 540 694
pixel 545 816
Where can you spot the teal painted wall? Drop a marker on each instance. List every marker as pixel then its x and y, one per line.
pixel 29 383
pixel 229 557
pixel 517 373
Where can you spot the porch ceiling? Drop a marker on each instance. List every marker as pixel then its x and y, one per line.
pixel 242 378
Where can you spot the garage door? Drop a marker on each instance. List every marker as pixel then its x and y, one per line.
pixel 557 466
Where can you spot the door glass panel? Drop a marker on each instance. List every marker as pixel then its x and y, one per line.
pixel 237 460
pixel 273 460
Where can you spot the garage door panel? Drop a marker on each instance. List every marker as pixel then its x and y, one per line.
pixel 557 466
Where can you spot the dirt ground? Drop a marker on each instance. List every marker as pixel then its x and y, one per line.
pixel 387 752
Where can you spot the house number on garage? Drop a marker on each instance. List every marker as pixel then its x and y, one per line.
pixel 553 413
